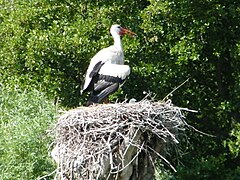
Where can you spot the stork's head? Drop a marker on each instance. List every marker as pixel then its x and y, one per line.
pixel 118 30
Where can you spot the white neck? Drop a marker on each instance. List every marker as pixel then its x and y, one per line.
pixel 117 41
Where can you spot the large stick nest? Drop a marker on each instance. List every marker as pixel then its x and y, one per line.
pixel 103 141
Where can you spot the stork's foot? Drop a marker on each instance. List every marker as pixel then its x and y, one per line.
pixel 90 103
pixel 106 101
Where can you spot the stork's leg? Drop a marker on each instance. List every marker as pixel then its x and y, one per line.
pixel 106 100
pixel 98 98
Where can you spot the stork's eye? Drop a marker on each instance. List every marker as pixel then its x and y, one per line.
pixel 119 27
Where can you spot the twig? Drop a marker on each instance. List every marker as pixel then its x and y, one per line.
pixel 163 158
pixel 166 97
pixel 48 175
pixel 97 142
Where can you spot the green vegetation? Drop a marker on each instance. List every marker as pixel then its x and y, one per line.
pixel 46 45
pixel 24 119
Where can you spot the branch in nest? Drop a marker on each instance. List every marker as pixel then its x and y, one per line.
pixel 105 141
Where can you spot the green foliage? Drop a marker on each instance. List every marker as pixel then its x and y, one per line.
pixel 207 168
pixel 234 143
pixel 47 45
pixel 197 40
pixel 24 119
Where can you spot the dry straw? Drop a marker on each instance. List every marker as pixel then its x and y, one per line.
pixel 105 141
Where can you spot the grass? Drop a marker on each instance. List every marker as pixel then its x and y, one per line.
pixel 24 118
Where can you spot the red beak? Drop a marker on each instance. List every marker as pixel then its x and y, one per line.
pixel 127 32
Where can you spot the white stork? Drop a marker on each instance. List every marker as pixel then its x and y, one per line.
pixel 106 70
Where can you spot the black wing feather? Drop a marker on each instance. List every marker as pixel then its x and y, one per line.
pixel 100 85
pixel 100 96
pixel 94 76
pixel 105 81
pixel 96 69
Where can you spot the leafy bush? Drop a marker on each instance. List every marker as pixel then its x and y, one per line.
pixel 234 142
pixel 24 118
pixel 47 45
